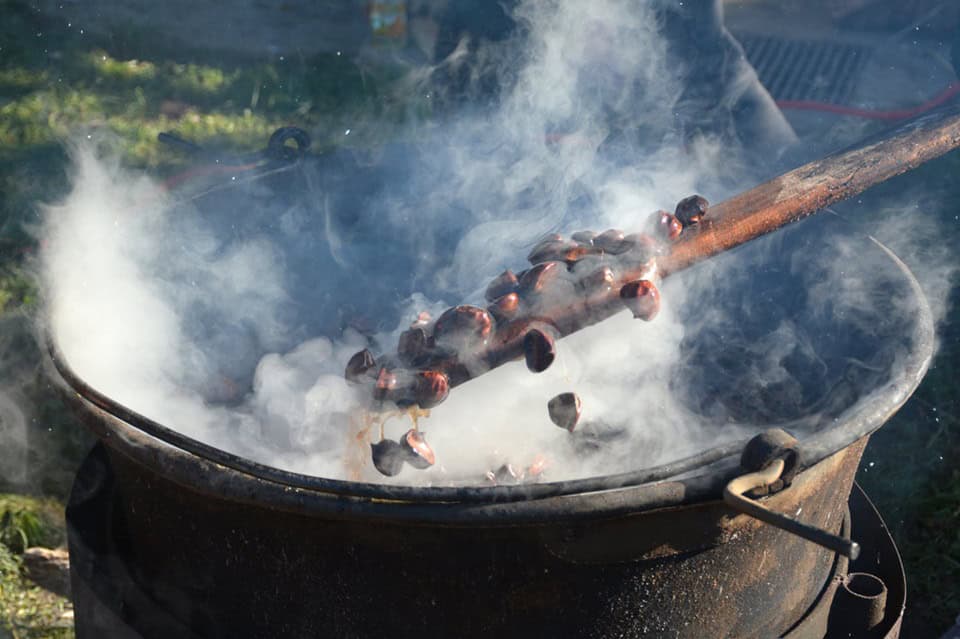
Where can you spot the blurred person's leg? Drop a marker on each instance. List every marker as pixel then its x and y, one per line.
pixel 722 95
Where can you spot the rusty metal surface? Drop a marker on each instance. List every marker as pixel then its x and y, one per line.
pixel 733 495
pixel 179 560
pixel 815 621
pixel 881 558
pixel 860 605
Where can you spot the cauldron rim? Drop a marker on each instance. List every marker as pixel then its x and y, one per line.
pixel 206 468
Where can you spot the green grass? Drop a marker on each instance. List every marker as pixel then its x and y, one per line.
pixel 64 84
pixel 27 521
pixel 26 610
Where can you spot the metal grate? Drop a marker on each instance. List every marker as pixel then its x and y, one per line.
pixel 817 70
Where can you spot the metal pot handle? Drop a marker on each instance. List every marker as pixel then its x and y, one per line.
pixel 775 457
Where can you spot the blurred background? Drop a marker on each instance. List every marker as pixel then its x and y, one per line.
pixel 225 77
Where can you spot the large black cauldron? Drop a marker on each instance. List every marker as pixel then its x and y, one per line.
pixel 172 538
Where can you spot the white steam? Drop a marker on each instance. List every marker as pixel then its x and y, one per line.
pixel 234 325
pixel 13 437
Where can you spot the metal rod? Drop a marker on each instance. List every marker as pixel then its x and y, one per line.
pixel 733 496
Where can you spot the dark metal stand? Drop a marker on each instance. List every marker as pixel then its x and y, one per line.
pixel 849 614
pixel 110 603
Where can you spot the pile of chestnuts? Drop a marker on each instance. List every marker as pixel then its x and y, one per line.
pixel 571 283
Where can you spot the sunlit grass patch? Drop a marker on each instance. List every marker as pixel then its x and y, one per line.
pixel 30 521
pixel 109 67
pixel 28 611
pixel 17 289
pixel 47 115
pixel 18 79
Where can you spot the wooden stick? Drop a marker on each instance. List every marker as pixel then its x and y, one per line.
pixel 814 186
pixel 756 212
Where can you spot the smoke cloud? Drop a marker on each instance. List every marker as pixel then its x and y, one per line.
pixel 13 437
pixel 230 316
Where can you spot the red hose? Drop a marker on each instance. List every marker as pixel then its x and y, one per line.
pixel 899 114
pixel 207 169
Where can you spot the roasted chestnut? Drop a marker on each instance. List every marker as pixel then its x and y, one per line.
pixel 503 284
pixel 431 388
pixel 416 451
pixel 601 280
pixel 386 382
pixel 359 365
pixel 539 350
pixel 584 237
pixel 462 327
pixel 388 457
pixel 610 241
pixel 412 344
pixel 668 226
pixel 573 253
pixel 690 210
pixel 564 410
pixel 642 298
pixel 505 307
pixel 537 279
pixel 565 251
pixel 546 248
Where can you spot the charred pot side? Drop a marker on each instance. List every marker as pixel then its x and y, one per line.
pixel 572 283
